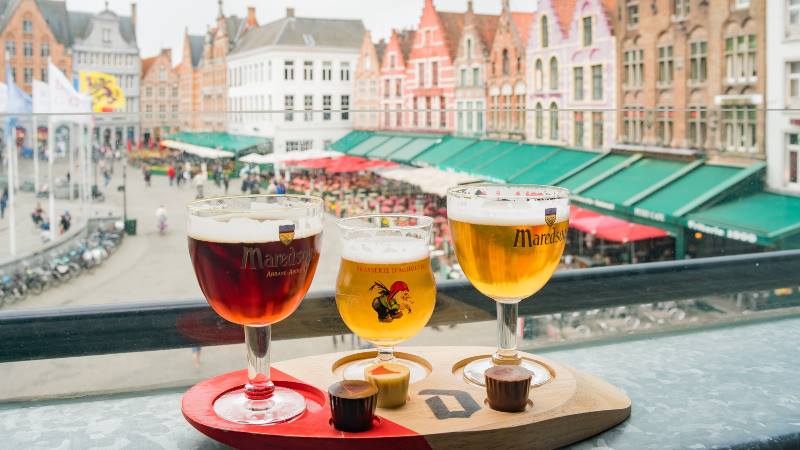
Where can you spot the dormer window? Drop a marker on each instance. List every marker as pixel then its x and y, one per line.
pixel 106 35
pixel 27 26
pixel 309 40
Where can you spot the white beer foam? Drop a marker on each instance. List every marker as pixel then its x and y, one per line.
pixel 249 228
pixel 519 212
pixel 385 250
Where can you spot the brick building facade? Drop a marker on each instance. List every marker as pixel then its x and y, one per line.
pixel 189 81
pixel 160 98
pixel 391 87
pixel 367 75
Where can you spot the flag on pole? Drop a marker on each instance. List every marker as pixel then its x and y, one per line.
pixel 104 89
pixel 65 99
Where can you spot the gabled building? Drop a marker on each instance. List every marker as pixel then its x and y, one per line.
pixel 471 61
pixel 692 77
pixel 300 65
pixel 391 87
pixel 33 32
pixel 160 97
pixel 106 42
pixel 573 70
pixel 189 81
pixel 366 95
pixel 220 40
pixel 505 75
pixel 430 82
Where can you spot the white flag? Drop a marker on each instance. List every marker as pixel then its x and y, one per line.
pixel 41 97
pixel 65 99
pixel 3 96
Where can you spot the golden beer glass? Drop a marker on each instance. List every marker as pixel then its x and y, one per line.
pixel 508 240
pixel 385 290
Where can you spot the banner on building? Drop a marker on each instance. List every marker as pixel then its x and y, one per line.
pixel 106 94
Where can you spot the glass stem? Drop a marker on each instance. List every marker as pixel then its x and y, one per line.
pixel 257 341
pixel 385 354
pixel 506 334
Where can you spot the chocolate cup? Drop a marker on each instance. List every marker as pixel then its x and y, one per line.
pixel 353 413
pixel 508 392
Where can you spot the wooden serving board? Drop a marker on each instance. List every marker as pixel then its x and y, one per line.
pixel 443 410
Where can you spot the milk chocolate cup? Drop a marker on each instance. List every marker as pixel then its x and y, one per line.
pixel 507 387
pixel 353 405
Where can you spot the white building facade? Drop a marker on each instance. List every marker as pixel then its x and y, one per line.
pixel 105 42
pixel 783 95
pixel 302 67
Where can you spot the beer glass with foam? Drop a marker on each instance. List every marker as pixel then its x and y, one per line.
pixel 254 258
pixel 385 291
pixel 508 240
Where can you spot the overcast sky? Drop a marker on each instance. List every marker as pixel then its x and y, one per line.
pixel 161 22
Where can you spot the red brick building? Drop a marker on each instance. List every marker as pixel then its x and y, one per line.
pixel 391 87
pixel 160 98
pixel 189 81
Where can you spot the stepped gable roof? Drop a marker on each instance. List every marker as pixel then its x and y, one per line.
pixel 523 20
pixel 564 10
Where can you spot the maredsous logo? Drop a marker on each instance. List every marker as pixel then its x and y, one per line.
pixel 253 259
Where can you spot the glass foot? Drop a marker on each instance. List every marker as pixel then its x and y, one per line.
pixel 473 372
pixel 355 370
pixel 285 404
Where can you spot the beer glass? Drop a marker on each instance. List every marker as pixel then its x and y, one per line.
pixel 508 240
pixel 254 258
pixel 385 291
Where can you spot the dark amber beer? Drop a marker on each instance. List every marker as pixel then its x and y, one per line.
pixel 255 283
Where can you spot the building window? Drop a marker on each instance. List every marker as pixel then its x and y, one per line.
pixel 553 122
pixel 470 112
pixel 28 75
pixel 345 107
pixel 577 83
pixel 506 64
pixel 27 26
pixel 327 71
pixel 288 70
pixel 578 128
pixel 680 8
pixel 479 117
pixel 27 49
pixel 421 75
pixel 545 33
pixel 398 87
pixel 148 91
pixel 326 107
pixel 162 75
pixel 698 131
pixel 392 60
pixel 434 73
pixel 698 61
pixel 793 79
pixel 740 58
pixel 633 124
pixel 106 35
pixel 288 106
pixel 597 82
pixel 414 112
pixel 793 16
pixel 587 31
pixel 463 77
pixel 666 65
pixel 739 128
pixel 428 112
pixel 597 129
pixel 387 85
pixel 162 92
pixel 793 141
pixel 460 118
pixel 741 4
pixel 344 71
pixel 398 116
pixel 632 11
pixel 476 76
pixel 442 113
pixel 539 121
pixel 174 91
pixel 553 74
pixel 44 51
pixel 633 68
pixel 308 108
pixel 664 126
pixel 538 75
pixel 308 70
pixel 11 49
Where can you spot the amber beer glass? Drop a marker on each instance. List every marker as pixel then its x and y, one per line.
pixel 254 258
pixel 385 291
pixel 508 240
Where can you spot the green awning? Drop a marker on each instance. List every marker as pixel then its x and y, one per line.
pixel 557 165
pixel 368 145
pixel 388 147
pixel 509 163
pixel 437 154
pixel 216 140
pixel 481 150
pixel 632 180
pixel 684 190
pixel 761 218
pixel 412 150
pixel 476 165
pixel 593 171
pixel 350 140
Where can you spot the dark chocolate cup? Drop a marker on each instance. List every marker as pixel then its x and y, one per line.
pixel 353 415
pixel 506 395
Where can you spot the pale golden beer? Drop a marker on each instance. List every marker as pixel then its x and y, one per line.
pixel 385 297
pixel 508 262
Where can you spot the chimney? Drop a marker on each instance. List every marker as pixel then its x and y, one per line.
pixel 133 16
pixel 469 6
pixel 251 16
pixel 289 12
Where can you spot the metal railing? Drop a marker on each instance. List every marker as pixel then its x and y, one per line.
pixel 95 330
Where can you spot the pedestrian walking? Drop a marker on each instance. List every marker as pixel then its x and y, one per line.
pixel 171 174
pixel 147 175
pixel 3 203
pixel 225 181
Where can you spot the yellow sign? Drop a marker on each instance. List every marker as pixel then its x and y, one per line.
pixel 106 94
